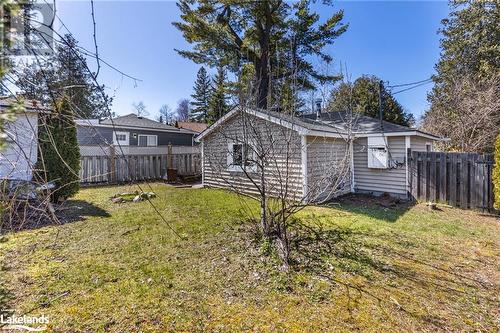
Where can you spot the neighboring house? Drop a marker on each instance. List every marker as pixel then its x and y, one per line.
pixel 376 152
pixel 130 135
pixel 192 126
pixel 19 156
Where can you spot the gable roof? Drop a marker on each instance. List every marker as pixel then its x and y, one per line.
pixel 332 124
pixel 30 105
pixel 192 126
pixel 132 121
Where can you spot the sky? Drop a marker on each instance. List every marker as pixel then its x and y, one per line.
pixel 395 40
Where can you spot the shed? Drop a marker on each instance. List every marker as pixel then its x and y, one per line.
pixel 365 154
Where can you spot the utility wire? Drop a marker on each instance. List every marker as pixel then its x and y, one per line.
pixel 409 84
pixel 416 86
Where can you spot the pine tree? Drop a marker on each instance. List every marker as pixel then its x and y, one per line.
pixel 218 105
pixel 65 74
pixel 59 157
pixel 201 97
pixel 278 38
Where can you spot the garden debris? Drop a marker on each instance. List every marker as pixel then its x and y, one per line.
pixel 135 196
pixel 26 204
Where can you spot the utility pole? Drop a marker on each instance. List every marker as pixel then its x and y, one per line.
pixel 380 110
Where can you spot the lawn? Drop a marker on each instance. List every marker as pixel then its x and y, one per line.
pixel 356 266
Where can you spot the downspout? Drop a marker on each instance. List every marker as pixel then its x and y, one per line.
pixel 407 167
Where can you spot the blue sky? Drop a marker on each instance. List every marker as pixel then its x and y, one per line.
pixel 396 41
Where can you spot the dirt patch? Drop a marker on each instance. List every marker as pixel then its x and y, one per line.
pixel 385 200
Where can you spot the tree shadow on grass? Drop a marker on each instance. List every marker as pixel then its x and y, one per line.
pixel 26 218
pixel 380 266
pixel 79 210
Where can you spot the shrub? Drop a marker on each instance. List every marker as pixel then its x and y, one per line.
pixel 496 174
pixel 59 159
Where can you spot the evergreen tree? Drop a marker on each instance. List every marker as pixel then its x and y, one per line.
pixel 278 38
pixel 363 96
pixel 218 105
pixel 59 157
pixel 201 97
pixel 65 74
pixel 469 52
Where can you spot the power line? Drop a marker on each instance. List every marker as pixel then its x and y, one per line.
pixel 416 86
pixel 409 84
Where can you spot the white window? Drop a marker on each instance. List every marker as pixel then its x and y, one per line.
pixel 239 157
pixel 121 138
pixel 428 147
pixel 378 154
pixel 147 140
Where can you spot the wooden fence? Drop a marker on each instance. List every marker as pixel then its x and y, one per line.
pixel 459 179
pixel 127 168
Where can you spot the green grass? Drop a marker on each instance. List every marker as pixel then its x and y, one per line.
pixel 356 266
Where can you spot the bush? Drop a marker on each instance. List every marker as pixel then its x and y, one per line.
pixel 59 159
pixel 496 174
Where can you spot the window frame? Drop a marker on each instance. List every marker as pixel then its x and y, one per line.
pixel 147 140
pixel 244 166
pixel 117 142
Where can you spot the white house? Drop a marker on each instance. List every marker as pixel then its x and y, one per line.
pixel 20 153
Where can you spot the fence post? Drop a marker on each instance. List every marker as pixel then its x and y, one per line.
pixel 112 164
pixel 169 157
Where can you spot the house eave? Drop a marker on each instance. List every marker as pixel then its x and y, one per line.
pixel 402 133
pixel 183 131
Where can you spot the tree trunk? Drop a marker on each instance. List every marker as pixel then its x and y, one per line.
pixel 262 70
pixel 262 80
pixel 263 206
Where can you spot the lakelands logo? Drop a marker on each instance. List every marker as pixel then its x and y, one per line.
pixel 24 323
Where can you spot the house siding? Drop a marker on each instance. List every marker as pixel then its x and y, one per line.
pixel 419 144
pixel 326 156
pixel 287 160
pixel 21 152
pixel 94 136
pixel 101 136
pixel 378 181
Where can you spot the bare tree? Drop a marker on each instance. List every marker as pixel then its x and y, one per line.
pixel 140 109
pixel 183 109
pixel 266 160
pixel 470 118
pixel 166 115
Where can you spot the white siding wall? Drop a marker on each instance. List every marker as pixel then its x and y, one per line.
pixel 327 158
pixel 19 156
pixel 419 144
pixel 380 180
pixel 287 169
